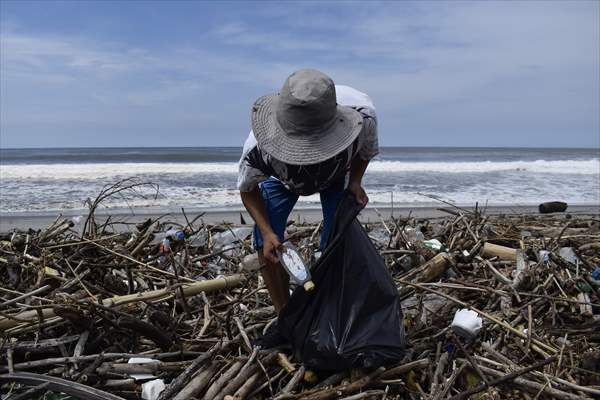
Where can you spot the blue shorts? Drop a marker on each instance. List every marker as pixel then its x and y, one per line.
pixel 280 202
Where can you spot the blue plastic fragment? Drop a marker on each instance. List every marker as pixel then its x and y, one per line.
pixel 596 273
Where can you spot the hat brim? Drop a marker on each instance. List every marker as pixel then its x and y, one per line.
pixel 296 149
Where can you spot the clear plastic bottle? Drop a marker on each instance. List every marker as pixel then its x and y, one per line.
pixel 295 266
pixel 414 236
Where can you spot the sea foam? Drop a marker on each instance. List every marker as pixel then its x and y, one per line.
pixel 111 170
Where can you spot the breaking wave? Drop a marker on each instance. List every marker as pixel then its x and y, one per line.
pixel 112 170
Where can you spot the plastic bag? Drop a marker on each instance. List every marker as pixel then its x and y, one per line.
pixel 353 319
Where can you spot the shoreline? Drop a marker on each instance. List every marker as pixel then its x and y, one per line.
pixel 40 220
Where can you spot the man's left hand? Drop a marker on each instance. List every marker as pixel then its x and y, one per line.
pixel 359 193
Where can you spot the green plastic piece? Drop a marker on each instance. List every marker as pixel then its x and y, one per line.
pixel 584 287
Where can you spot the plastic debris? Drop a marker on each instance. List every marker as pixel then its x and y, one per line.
pixel 222 239
pixel 34 259
pixel 568 254
pixel 433 244
pixel 176 235
pixel 165 246
pixel 584 287
pixel 380 235
pixel 199 239
pixel 151 390
pixel 544 256
pixel 466 323
pixel 250 263
pixel 414 235
pixel 406 263
pixel 140 360
pixel 293 263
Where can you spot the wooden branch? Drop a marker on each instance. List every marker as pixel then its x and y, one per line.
pixel 198 383
pixel 530 385
pixel 225 377
pixel 343 390
pixel 189 290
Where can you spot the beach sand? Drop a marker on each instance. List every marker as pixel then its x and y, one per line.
pixel 24 221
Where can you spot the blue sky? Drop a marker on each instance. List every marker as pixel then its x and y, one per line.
pixel 82 73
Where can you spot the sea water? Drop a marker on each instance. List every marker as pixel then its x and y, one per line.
pixel 50 180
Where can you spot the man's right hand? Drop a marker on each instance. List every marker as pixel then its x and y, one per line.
pixel 270 245
pixel 255 205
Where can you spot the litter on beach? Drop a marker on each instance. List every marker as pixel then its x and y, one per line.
pixel 79 303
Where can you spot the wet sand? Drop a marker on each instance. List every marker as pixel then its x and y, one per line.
pixel 24 221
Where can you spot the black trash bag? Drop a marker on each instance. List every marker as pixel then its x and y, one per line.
pixel 353 318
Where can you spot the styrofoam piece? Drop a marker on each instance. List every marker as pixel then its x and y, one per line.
pixel 152 389
pixel 141 360
pixel 466 323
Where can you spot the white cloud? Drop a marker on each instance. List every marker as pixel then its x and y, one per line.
pixel 431 68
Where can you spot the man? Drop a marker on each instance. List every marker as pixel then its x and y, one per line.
pixel 304 140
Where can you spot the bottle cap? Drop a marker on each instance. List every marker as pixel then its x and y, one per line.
pixel 309 286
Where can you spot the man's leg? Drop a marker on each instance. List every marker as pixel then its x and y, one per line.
pixel 330 199
pixel 279 202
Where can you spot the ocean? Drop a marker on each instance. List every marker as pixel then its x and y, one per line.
pixel 60 180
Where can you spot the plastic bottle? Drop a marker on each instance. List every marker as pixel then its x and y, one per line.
pixel 414 236
pixel 295 266
pixel 175 235
pixel 172 235
pixel 228 237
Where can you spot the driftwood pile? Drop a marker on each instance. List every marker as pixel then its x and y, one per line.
pixel 99 312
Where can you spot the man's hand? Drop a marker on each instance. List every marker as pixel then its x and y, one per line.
pixel 270 245
pixel 359 193
pixel 255 205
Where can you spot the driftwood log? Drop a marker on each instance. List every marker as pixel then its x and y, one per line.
pixel 552 207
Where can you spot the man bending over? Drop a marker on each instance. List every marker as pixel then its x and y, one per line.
pixel 311 137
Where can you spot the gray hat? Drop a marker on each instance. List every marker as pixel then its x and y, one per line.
pixel 303 124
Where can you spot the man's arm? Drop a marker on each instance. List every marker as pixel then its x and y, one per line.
pixel 357 171
pixel 249 177
pixel 257 209
pixel 369 148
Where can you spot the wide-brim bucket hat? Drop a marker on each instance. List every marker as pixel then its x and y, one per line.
pixel 303 124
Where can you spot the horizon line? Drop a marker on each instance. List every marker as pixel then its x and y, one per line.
pixel 239 147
